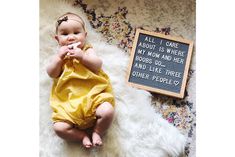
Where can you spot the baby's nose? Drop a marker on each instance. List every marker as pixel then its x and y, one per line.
pixel 71 37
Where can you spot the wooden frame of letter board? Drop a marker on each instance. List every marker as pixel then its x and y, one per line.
pixel 156 90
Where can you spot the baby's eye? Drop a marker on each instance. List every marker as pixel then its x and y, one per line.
pixel 76 32
pixel 64 34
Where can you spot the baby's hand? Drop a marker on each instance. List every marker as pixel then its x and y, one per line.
pixel 63 52
pixel 75 53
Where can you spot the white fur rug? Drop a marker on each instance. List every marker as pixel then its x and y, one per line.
pixel 137 130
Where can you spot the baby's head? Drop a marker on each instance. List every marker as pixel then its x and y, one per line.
pixel 70 29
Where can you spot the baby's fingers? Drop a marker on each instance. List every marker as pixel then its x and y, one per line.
pixel 70 53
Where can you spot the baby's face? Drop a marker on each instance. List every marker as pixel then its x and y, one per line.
pixel 71 31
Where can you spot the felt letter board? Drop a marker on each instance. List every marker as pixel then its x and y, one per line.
pixel 159 63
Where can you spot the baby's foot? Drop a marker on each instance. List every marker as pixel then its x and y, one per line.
pixel 96 139
pixel 86 142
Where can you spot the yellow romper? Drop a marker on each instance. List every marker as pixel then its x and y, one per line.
pixel 77 93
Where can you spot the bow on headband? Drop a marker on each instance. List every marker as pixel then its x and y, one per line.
pixel 61 20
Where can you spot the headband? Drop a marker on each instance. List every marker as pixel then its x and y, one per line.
pixel 66 19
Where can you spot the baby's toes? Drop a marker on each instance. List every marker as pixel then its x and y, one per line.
pixel 88 145
pixel 98 143
pixel 86 142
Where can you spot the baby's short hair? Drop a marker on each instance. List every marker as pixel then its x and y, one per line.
pixel 64 17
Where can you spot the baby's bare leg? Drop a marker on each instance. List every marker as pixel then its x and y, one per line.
pixel 104 114
pixel 69 133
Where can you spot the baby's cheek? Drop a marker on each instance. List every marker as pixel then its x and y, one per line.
pixel 63 43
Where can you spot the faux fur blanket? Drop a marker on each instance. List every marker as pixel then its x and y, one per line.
pixel 137 130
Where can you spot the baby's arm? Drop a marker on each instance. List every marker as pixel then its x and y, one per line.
pixel 55 67
pixel 91 60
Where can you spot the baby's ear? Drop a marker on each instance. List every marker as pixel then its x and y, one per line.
pixel 56 38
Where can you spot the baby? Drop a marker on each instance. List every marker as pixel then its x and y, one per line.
pixel 81 96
